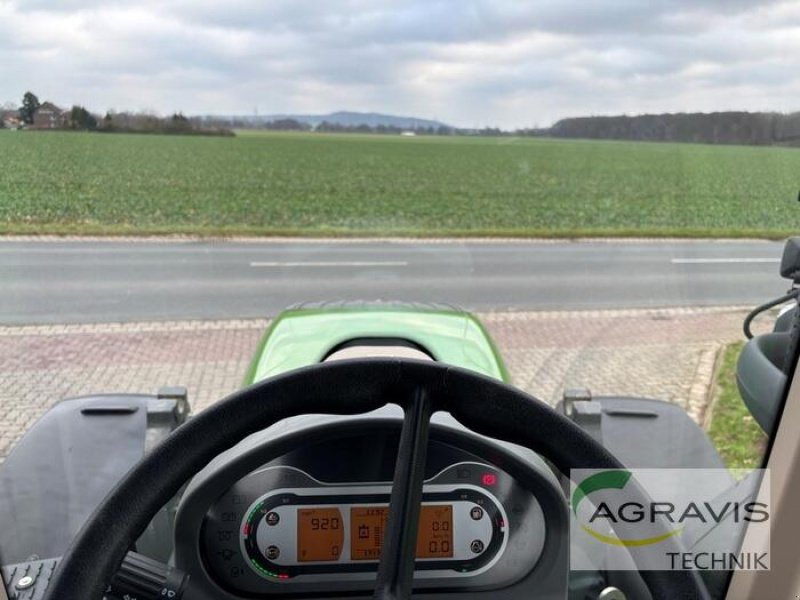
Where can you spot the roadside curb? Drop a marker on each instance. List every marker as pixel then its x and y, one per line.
pixel 133 327
pixel 699 403
pixel 259 323
pixel 182 239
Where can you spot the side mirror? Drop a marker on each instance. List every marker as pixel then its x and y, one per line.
pixel 790 263
pixel 760 377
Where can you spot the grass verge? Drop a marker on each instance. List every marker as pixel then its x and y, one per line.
pixel 733 431
pixel 208 231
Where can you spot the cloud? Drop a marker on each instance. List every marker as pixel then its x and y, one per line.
pixel 469 62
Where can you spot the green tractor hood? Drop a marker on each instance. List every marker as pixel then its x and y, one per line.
pixel 306 335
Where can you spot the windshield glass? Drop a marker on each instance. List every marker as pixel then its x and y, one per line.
pixel 584 201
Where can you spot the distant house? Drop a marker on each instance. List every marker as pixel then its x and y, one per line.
pixel 408 133
pixel 10 118
pixel 48 116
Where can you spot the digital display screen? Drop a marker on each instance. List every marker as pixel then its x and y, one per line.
pixel 435 533
pixel 434 536
pixel 367 525
pixel 320 534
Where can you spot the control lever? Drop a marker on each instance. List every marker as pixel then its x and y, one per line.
pixel 138 578
pixel 142 578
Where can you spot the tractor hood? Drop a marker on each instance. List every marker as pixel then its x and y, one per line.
pixel 308 334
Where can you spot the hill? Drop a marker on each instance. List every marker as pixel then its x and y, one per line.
pixel 343 118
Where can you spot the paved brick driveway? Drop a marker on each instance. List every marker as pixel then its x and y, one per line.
pixel 666 354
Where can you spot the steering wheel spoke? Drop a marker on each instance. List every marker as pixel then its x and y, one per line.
pixel 396 568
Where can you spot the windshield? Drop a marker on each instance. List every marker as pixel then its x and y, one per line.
pixel 584 201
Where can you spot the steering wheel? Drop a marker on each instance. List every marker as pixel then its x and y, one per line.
pixel 349 387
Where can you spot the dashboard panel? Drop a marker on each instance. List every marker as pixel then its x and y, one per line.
pixel 303 530
pixel 311 519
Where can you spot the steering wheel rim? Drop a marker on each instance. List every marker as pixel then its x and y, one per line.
pixel 351 387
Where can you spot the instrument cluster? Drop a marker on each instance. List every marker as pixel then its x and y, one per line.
pixel 281 529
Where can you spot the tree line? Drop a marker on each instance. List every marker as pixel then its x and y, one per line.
pixel 748 128
pixel 176 124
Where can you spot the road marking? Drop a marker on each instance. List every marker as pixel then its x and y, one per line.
pixel 722 261
pixel 352 263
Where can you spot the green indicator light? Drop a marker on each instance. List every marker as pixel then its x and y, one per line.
pixel 255 509
pixel 263 570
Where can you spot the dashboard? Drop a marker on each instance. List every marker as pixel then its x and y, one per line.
pixel 302 512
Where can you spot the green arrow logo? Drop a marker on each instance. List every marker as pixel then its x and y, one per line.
pixel 615 480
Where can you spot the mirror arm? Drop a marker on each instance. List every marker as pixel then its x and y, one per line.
pixel 792 294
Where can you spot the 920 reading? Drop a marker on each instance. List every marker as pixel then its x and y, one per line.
pixel 320 534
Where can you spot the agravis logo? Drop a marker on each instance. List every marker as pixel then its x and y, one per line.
pixel 621 514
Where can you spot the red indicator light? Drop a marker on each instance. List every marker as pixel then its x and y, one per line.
pixel 489 479
pixel 283 576
pixel 246 530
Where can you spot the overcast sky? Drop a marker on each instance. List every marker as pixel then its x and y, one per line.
pixel 466 62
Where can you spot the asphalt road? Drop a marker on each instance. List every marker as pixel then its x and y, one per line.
pixel 74 282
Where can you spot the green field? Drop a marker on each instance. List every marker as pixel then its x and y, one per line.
pixel 317 184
